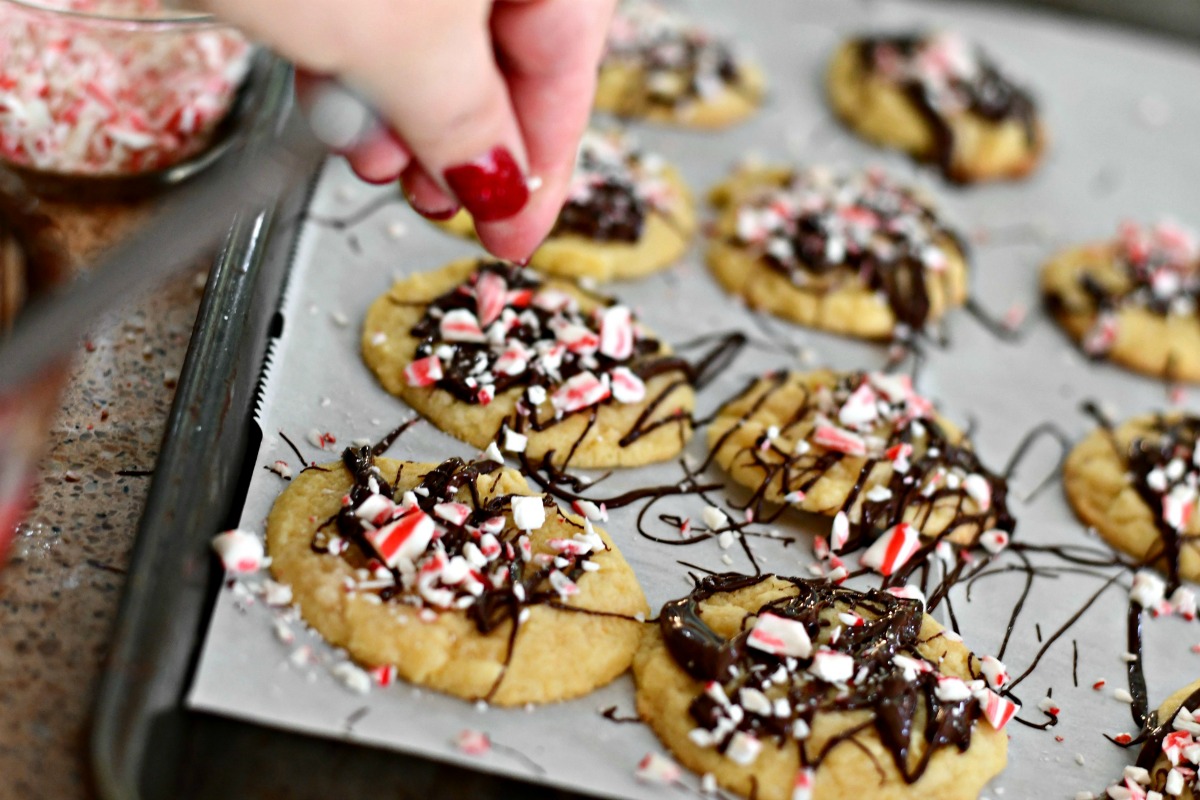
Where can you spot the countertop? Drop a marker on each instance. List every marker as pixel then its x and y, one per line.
pixel 60 591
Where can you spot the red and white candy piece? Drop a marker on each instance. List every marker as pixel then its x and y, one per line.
pixel 460 325
pixel 384 675
pixel 840 532
pixel 376 510
pixel 491 295
pixel 839 440
pixel 997 710
pixel 658 769
pixel 893 550
pixel 472 743
pixel 616 333
pixel 579 392
pixel 454 513
pixel 804 784
pixel 994 540
pixel 860 409
pixel 241 552
pixel 626 386
pixel 780 636
pixel 403 540
pixel 424 371
pixel 994 672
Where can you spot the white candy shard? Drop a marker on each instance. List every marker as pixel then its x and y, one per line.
pixel 832 666
pixel 529 514
pixel 241 552
pixel 780 636
pixel 658 769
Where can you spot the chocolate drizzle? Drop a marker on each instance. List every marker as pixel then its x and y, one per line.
pixel 935 476
pixel 1162 464
pixel 613 189
pixel 545 344
pixel 496 580
pixel 679 62
pixel 942 75
pixel 822 230
pixel 900 695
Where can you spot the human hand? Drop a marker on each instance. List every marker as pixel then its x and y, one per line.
pixel 486 99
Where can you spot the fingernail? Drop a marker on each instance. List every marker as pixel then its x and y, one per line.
pixel 491 187
pixel 436 216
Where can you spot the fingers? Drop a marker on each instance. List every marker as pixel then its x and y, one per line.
pixel 425 196
pixel 551 87
pixel 430 70
pixel 479 95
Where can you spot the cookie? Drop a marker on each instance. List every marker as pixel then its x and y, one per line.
pixel 785 688
pixel 940 99
pixel 458 575
pixel 866 449
pixel 1169 761
pixel 1132 300
pixel 854 254
pixel 492 352
pixel 627 214
pixel 663 67
pixel 1136 484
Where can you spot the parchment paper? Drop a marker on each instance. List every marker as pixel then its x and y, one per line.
pixel 1123 115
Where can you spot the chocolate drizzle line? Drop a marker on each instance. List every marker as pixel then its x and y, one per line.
pixel 988 94
pixel 1153 453
pixel 902 707
pixel 679 64
pixel 789 472
pixel 862 227
pixel 506 585
pixel 473 360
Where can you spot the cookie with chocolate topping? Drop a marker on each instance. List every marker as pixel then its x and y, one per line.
pixel 867 450
pixel 663 67
pixel 1168 762
pixel 939 98
pixel 1132 300
pixel 855 254
pixel 627 214
pixel 489 352
pixel 784 688
pixel 1138 485
pixel 458 575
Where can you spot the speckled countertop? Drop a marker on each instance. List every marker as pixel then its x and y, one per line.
pixel 59 593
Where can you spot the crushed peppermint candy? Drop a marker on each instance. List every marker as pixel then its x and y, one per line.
pixel 241 552
pixel 82 98
pixel 793 665
pixel 915 479
pixel 1173 753
pixel 444 546
pixel 504 328
pixel 948 76
pixel 658 769
pixel 680 62
pixel 822 230
pixel 613 189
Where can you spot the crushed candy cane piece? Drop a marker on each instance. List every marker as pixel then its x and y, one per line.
pixel 240 552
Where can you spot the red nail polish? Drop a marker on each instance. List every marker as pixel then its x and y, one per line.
pixel 491 187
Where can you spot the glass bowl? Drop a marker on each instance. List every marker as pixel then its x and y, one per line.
pixel 113 99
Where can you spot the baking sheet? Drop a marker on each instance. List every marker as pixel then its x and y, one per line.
pixel 1122 117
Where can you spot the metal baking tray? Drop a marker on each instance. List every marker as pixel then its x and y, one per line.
pixel 144 743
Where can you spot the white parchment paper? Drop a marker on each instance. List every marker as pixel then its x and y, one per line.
pixel 1123 115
